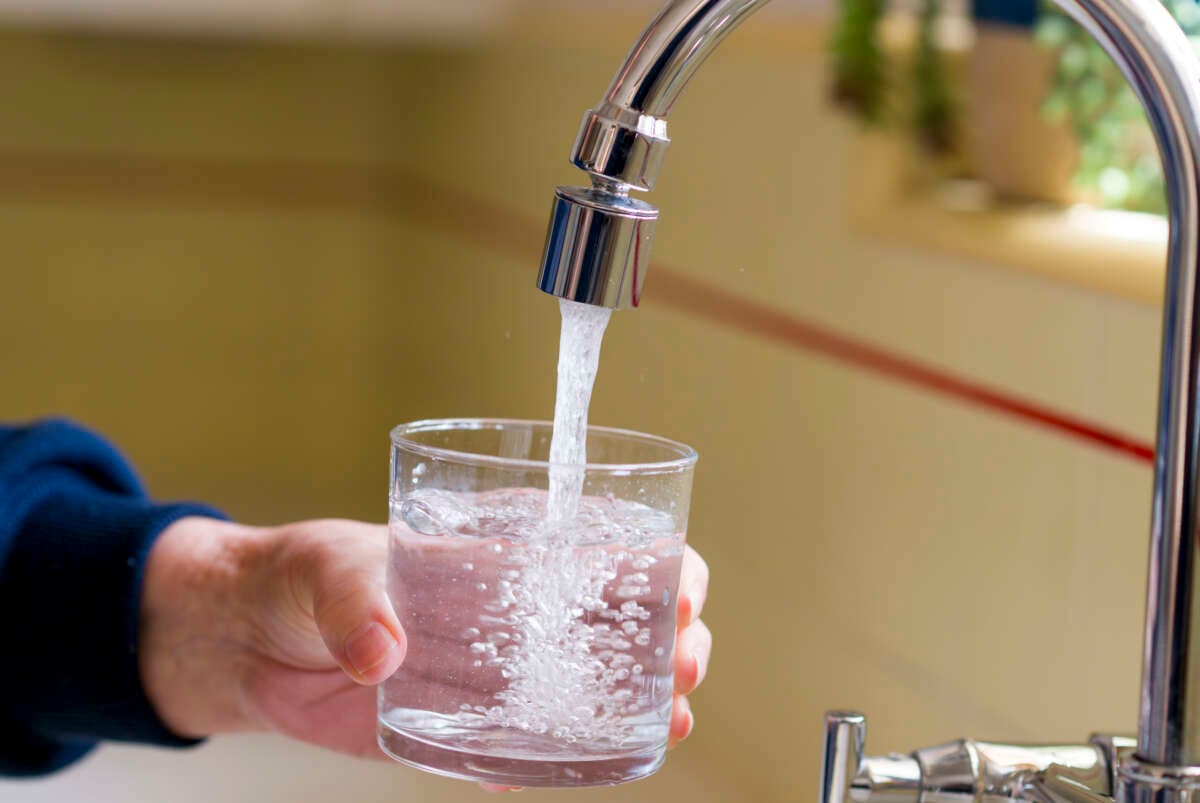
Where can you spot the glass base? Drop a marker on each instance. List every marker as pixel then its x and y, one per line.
pixel 506 771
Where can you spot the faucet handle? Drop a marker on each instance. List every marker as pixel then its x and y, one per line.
pixel 848 776
pixel 845 738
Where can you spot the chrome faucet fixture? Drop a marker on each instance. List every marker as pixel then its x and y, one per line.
pixel 967 770
pixel 597 252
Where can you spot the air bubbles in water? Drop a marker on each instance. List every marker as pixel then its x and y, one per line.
pixel 436 513
pixel 420 518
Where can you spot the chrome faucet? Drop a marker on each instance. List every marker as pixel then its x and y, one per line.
pixel 598 250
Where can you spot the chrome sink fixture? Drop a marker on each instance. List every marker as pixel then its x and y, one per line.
pixel 598 251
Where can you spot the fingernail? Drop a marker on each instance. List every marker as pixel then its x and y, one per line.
pixel 369 646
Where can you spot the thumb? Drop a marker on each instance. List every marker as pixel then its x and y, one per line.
pixel 349 605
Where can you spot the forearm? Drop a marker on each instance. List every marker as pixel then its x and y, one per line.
pixel 195 638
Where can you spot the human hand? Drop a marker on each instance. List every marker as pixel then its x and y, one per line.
pixel 286 628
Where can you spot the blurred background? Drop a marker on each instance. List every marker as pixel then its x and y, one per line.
pixel 910 323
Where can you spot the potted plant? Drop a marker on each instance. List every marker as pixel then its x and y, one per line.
pixel 1017 151
pixel 1043 113
pixel 861 72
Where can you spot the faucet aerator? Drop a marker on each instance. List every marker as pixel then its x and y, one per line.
pixel 597 247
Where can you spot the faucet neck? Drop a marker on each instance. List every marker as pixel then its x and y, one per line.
pixel 674 45
pixel 624 138
pixel 597 252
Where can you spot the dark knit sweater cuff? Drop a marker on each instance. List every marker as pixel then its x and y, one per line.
pixel 71 591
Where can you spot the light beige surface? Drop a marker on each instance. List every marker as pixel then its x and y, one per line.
pixel 1113 252
pixel 267 768
pixel 949 571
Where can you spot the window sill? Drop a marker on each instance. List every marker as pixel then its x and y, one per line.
pixel 1121 254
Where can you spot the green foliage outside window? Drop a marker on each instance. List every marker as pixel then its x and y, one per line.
pixel 861 75
pixel 1118 161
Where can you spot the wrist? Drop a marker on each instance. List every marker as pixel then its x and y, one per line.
pixel 193 640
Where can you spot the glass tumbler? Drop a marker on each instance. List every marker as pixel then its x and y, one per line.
pixel 540 647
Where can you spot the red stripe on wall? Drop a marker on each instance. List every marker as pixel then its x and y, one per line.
pixel 459 214
pixel 358 189
pixel 703 300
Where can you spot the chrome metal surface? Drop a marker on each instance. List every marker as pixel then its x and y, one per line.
pixel 674 45
pixel 845 735
pixel 1147 782
pixel 1059 785
pixel 1158 61
pixel 1115 749
pixel 887 779
pixel 621 146
pixel 597 247
pixel 625 136
pixel 989 772
pixel 966 770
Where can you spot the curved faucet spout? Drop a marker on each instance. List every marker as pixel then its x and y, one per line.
pixel 622 141
pixel 670 51
pixel 598 251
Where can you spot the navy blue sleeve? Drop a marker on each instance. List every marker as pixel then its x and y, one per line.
pixel 76 527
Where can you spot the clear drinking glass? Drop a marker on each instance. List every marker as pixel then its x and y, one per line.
pixel 539 653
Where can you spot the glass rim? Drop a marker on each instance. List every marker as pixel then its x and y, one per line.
pixel 687 455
